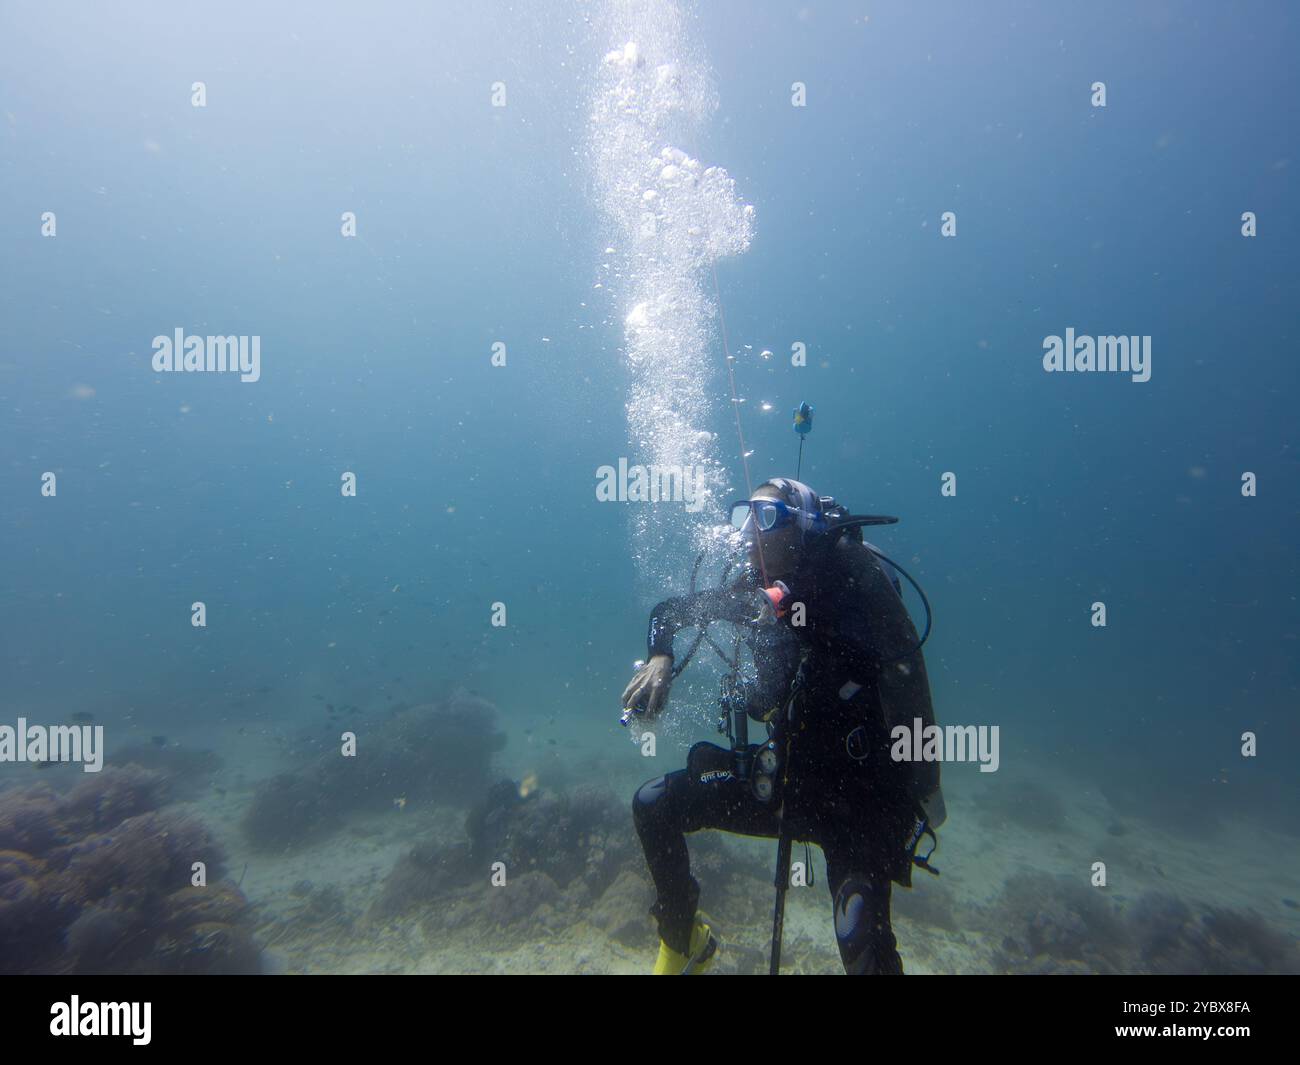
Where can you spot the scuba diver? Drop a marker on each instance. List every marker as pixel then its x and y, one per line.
pixel 837 665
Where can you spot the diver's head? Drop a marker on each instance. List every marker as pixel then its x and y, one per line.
pixel 778 523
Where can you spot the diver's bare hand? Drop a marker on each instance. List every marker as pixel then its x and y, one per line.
pixel 647 692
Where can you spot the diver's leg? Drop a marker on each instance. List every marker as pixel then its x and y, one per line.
pixel 665 809
pixel 659 810
pixel 860 897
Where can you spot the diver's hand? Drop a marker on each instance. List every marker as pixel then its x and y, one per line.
pixel 647 692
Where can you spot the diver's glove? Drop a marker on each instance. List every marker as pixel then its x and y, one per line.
pixel 647 692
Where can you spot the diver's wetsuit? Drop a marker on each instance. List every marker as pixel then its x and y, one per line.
pixel 844 792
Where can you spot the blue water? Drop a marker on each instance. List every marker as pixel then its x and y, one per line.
pixel 476 483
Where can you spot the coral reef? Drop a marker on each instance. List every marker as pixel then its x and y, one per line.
pixel 424 875
pixel 1053 924
pixel 97 880
pixel 1052 917
pixel 571 859
pixel 622 911
pixel 186 772
pixel 582 834
pixel 316 910
pixel 432 752
pixel 568 857
pixel 1168 937
pixel 293 809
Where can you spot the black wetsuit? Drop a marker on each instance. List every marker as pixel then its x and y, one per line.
pixel 842 792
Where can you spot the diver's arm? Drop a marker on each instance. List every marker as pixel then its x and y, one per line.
pixel 647 692
pixel 773 647
pixel 733 603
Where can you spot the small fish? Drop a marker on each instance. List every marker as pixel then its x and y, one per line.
pixel 329 706
pixel 44 765
pixel 82 717
pixel 158 741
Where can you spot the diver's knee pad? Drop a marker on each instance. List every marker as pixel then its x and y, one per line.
pixel 648 799
pixel 863 930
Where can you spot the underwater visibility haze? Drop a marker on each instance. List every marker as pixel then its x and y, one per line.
pixel 378 384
